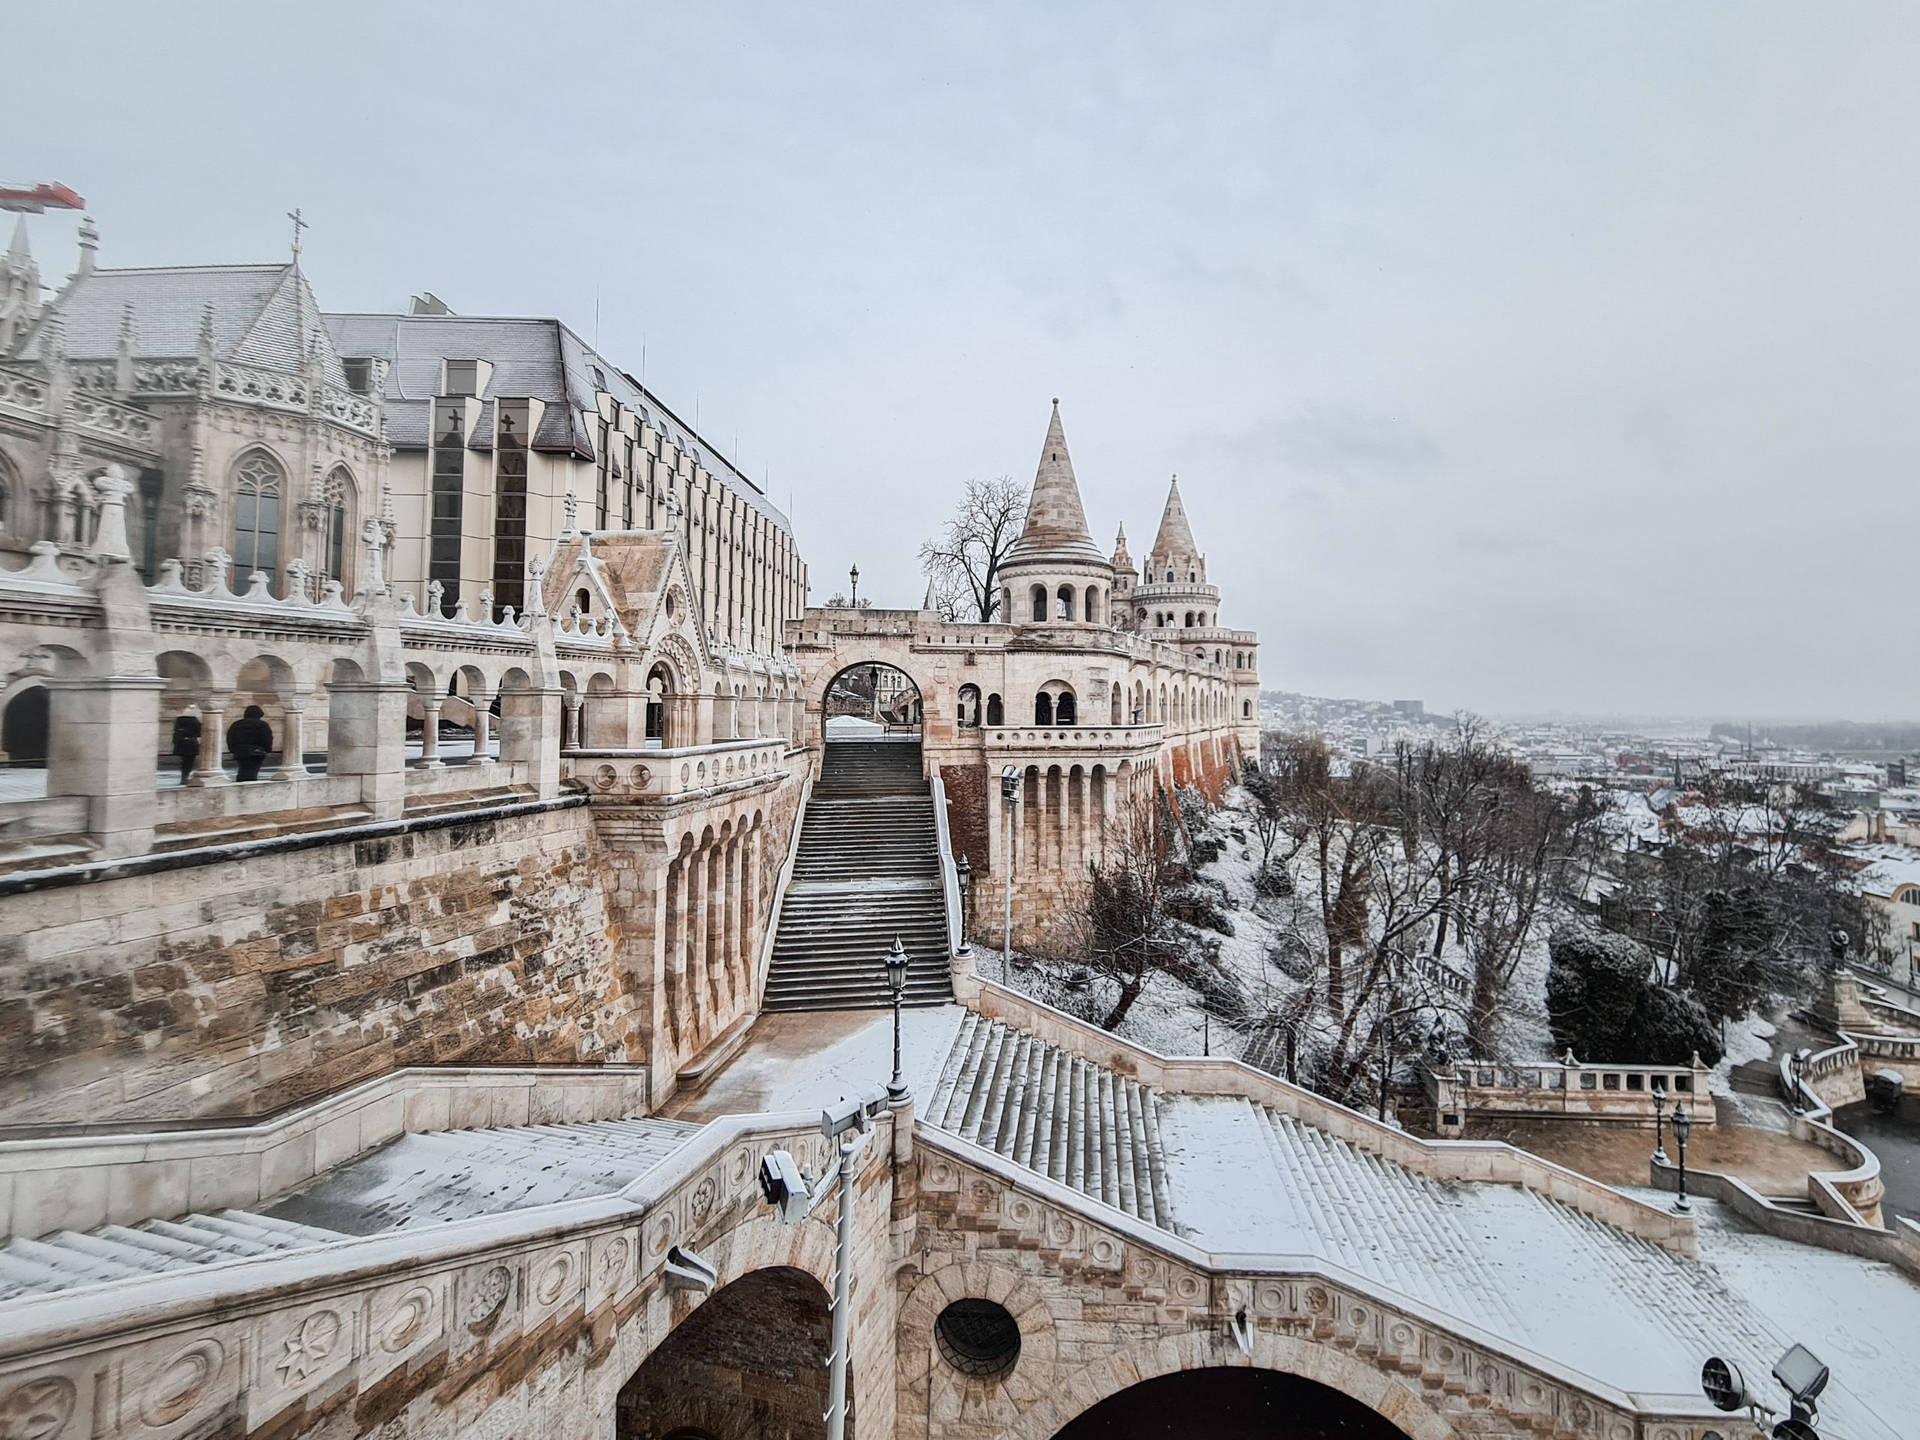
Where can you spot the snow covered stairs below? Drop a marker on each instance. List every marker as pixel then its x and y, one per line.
pixel 1048 1109
pixel 120 1252
pixel 867 872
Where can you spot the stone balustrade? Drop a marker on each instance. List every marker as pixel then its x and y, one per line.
pixel 1619 1093
pixel 698 770
pixel 124 1175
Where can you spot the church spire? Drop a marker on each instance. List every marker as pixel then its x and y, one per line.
pixel 17 251
pixel 1056 520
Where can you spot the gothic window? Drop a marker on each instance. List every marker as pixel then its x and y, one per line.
pixel 339 489
pixel 1169 577
pixel 1246 709
pixel 1191 577
pixel 6 496
pixel 449 486
pixel 258 483
pixel 510 506
pixel 996 715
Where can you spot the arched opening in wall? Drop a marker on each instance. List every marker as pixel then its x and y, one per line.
pixel 1090 609
pixel 264 684
pixel 1114 716
pixel 24 728
pixel 660 703
pixel 1246 709
pixel 996 712
pixel 1043 709
pixel 967 709
pixel 871 700
pixel 1038 596
pixel 1189 619
pixel 1065 598
pixel 752 1360
pixel 1230 1403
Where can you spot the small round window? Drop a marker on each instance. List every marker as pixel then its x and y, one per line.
pixel 978 1338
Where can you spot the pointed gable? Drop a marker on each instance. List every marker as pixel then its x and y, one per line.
pixel 1056 520
pixel 286 327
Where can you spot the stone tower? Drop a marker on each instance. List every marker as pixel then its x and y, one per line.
pixel 1125 577
pixel 1174 593
pixel 19 289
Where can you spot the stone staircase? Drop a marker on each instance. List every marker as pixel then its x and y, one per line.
pixel 417 1180
pixel 1066 1118
pixel 867 870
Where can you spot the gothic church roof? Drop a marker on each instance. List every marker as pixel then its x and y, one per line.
pixel 262 315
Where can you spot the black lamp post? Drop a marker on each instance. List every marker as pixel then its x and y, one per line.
pixel 1659 1122
pixel 853 574
pixel 897 984
pixel 1682 1123
pixel 965 871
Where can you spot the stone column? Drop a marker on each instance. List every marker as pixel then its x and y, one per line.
pixel 569 719
pixel 430 734
pixel 673 951
pixel 482 729
pixel 1083 836
pixel 102 729
pixel 725 976
pixel 1041 846
pixel 749 909
pixel 293 743
pixel 208 769
pixel 699 916
pixel 366 739
pixel 531 723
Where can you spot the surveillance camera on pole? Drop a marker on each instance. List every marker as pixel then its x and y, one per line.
pixel 1800 1373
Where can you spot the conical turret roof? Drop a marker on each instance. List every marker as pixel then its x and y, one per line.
pixel 1056 520
pixel 17 249
pixel 1175 540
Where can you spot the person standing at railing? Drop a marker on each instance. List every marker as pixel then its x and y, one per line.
pixel 186 744
pixel 250 739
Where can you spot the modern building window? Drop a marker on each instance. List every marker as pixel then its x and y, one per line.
pixel 510 506
pixel 359 375
pixel 602 468
pixel 256 514
pixel 448 496
pixel 463 378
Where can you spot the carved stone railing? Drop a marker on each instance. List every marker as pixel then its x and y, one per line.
pixel 269 389
pixel 107 420
pixel 1127 739
pixel 1609 1092
pixel 617 775
pixel 213 592
pixel 79 1182
pixel 22 394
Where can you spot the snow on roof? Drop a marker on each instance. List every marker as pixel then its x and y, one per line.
pixel 1888 868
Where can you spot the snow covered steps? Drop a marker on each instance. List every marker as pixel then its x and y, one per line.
pixel 867 871
pixel 1062 1116
pixel 121 1252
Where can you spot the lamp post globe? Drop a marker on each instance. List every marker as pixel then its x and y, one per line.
pixel 896 966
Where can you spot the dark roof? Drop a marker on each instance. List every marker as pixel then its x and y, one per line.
pixel 532 358
pixel 262 315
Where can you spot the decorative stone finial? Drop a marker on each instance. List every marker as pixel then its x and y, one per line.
pixel 572 509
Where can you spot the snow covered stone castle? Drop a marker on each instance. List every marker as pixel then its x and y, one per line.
pixel 489 1035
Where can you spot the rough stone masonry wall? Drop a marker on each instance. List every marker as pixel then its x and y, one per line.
pixel 233 989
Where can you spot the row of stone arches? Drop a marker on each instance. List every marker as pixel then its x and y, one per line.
pixel 1069 603
pixel 716 902
pixel 1056 704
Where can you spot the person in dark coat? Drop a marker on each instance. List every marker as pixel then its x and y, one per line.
pixel 186 744
pixel 250 739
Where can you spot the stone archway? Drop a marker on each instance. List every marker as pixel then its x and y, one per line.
pixel 823 655
pixel 751 1361
pixel 871 698
pixel 1229 1403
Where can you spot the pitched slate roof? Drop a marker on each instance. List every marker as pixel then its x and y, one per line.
pixel 1056 520
pixel 533 357
pixel 262 315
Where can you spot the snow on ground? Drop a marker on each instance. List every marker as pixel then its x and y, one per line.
pixel 1749 1038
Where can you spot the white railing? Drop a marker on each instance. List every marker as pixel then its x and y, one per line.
pixel 949 875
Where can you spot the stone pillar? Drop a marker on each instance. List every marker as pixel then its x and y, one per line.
pixel 699 917
pixel 725 978
pixel 745 954
pixel 102 730
pixel 1083 834
pixel 673 955
pixel 570 721
pixel 1041 847
pixel 430 733
pixel 482 728
pixel 293 742
pixel 208 769
pixel 531 723
pixel 366 739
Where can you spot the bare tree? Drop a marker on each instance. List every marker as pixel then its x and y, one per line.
pixel 964 560
pixel 1127 934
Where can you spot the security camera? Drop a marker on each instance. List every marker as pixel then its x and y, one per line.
pixel 786 1187
pixel 1801 1375
pixel 1723 1385
pixel 855 1113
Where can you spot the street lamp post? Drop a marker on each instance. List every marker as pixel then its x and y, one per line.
pixel 1682 1123
pixel 965 871
pixel 1010 794
pixel 896 963
pixel 853 575
pixel 1659 1122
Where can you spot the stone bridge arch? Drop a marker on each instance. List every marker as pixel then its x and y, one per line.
pixel 878 638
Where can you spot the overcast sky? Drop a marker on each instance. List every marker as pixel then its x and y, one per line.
pixel 1512 356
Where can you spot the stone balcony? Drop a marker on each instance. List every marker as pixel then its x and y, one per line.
pixel 697 771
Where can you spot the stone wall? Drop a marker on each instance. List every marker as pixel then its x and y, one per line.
pixel 265 975
pixel 967 814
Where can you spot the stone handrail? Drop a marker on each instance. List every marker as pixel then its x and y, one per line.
pixel 1076 737
pixel 1329 1299
pixel 77 1182
pixel 665 774
pixel 1852 1195
pixel 1467 1160
pixel 764 962
pixel 1601 1091
pixel 949 876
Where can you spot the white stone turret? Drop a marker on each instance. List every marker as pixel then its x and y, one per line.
pixel 1055 573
